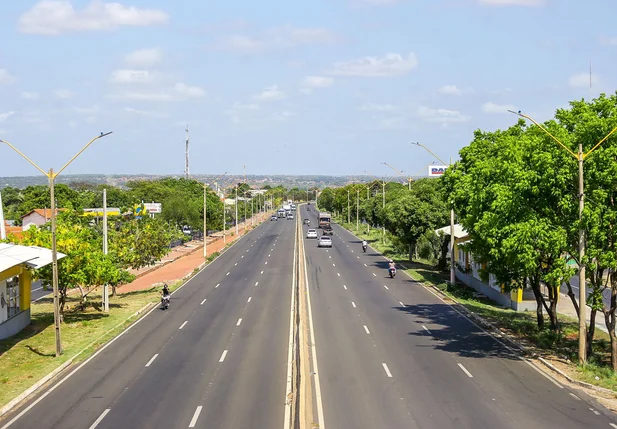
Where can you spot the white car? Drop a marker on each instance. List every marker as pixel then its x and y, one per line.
pixel 311 233
pixel 324 241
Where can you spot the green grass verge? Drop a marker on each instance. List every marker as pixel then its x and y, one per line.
pixel 562 345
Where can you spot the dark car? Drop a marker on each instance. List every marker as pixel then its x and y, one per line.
pixel 306 222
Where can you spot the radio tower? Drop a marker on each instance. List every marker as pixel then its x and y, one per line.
pixel 186 169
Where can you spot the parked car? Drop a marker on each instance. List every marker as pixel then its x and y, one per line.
pixel 324 241
pixel 274 218
pixel 311 233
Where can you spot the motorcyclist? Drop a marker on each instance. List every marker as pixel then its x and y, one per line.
pixel 391 265
pixel 364 245
pixel 165 295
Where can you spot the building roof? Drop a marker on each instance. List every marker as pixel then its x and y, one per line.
pixel 459 231
pixel 12 229
pixel 33 256
pixel 46 213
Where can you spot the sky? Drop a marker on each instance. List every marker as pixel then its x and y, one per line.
pixel 333 87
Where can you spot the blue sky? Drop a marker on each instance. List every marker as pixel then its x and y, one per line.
pixel 286 87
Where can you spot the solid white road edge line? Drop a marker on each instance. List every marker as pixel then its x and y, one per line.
pixel 151 360
pixel 195 417
pixel 385 367
pixel 223 356
pixel 426 329
pixel 367 331
pixel 465 370
pixel 402 305
pixel 184 324
pixel 320 416
pixel 101 417
pixel 548 377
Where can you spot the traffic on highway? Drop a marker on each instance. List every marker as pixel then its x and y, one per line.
pixel 384 352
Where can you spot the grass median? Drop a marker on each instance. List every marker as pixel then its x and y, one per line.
pixel 560 347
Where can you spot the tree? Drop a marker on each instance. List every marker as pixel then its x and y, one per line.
pixel 84 266
pixel 326 200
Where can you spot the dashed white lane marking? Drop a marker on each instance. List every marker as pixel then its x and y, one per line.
pixel 367 331
pixel 352 251
pixel 330 257
pixel 426 329
pixel 239 321
pixel 613 425
pixel 268 256
pixel 261 272
pixel 345 287
pixel 354 304
pixel 375 274
pixel 184 324
pixel 334 265
pixel 266 262
pixel 387 288
pixel 223 356
pixel 597 413
pixel 248 250
pixel 365 265
pixel 256 283
pixel 358 257
pixel 576 397
pixel 465 370
pixel 241 256
pixel 151 360
pixel 249 300
pixel 388 373
pixel 402 305
pixel 235 264
pixel 195 417
pixel 338 274
pixel 101 417
pixel 218 284
pixel 202 302
pixel 227 273
pixel 549 378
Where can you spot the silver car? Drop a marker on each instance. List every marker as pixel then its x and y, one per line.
pixel 324 241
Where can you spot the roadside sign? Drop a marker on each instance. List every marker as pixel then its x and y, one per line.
pixel 153 208
pixel 436 170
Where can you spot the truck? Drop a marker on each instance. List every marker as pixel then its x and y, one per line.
pixel 281 213
pixel 324 219
pixel 287 207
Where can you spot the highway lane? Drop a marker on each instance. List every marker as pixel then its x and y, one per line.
pixel 445 370
pixel 154 375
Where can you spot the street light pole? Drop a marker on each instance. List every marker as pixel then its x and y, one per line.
pixel 236 210
pixel 348 209
pixel 51 176
pixel 357 210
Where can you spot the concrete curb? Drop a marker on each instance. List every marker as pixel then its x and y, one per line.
pixel 574 381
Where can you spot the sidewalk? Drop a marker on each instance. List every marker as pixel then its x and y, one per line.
pixel 182 262
pixel 565 306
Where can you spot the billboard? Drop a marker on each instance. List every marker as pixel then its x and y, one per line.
pixel 153 207
pixel 436 170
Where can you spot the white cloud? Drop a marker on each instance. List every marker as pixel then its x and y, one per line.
pixel 318 81
pixel 52 17
pixel 144 58
pixel 531 3
pixel 6 77
pixel 582 80
pixel 371 107
pixel 146 113
pixel 180 91
pixel 441 115
pixel 449 90
pixel 132 76
pixel 64 93
pixel 283 115
pixel 279 37
pixel 5 116
pixel 88 110
pixel 189 91
pixel 245 106
pixel 30 95
pixel 491 107
pixel 386 66
pixel 610 41
pixel 270 93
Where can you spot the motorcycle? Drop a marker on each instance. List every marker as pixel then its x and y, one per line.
pixel 364 248
pixel 392 272
pixel 165 302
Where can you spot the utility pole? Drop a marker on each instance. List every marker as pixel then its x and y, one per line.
pixel 105 286
pixel 348 209
pixel 236 210
pixel 357 210
pixel 186 168
pixel 2 226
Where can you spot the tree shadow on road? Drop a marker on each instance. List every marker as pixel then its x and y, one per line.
pixel 455 334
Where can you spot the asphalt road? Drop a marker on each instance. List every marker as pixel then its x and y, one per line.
pixel 216 359
pixel 37 292
pixel 391 354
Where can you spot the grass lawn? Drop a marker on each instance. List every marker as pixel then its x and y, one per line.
pixel 559 346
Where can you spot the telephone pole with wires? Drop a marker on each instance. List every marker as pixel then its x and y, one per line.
pixel 186 168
